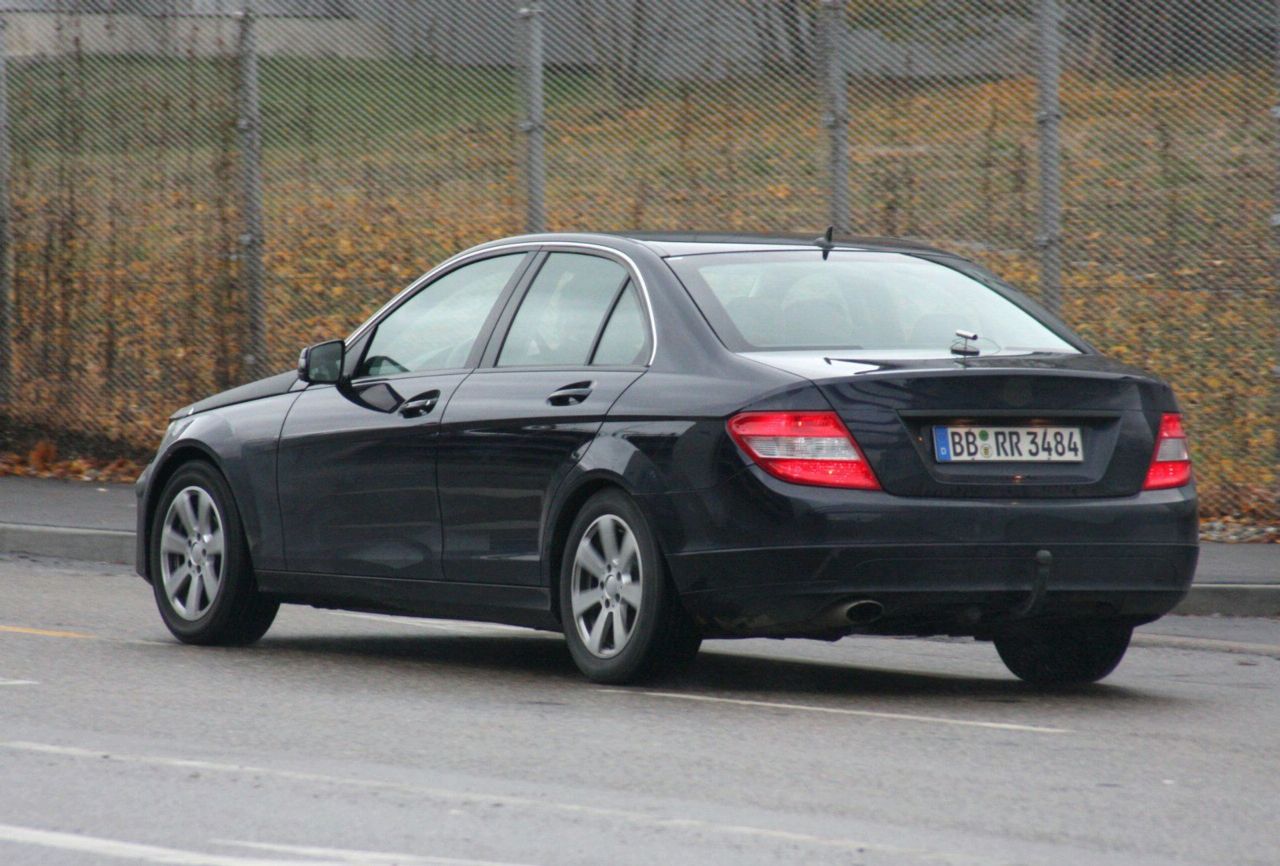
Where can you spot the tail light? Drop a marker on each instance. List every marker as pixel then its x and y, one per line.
pixel 804 448
pixel 1171 462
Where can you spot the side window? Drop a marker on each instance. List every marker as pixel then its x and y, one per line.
pixel 561 314
pixel 624 339
pixel 436 328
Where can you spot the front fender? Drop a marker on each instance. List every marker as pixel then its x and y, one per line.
pixel 242 442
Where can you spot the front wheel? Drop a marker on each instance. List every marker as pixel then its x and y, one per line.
pixel 1058 654
pixel 622 618
pixel 200 570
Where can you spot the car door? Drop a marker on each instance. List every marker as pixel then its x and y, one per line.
pixel 578 337
pixel 356 471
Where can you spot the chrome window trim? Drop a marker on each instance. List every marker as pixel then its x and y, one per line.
pixel 465 256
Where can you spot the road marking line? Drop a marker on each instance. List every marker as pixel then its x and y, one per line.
pixel 42 632
pixel 459 626
pixel 841 711
pixel 346 855
pixel 136 852
pixel 18 683
pixel 575 809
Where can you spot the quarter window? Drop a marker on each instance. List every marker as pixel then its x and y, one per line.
pixel 561 314
pixel 437 327
pixel 624 340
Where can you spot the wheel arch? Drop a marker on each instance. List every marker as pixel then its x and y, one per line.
pixel 611 460
pixel 183 452
pixel 568 503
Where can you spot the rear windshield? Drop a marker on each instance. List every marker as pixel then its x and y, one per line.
pixel 855 302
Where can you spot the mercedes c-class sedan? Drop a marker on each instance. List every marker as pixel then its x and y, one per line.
pixel 644 441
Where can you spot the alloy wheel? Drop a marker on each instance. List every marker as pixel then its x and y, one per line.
pixel 192 552
pixel 607 586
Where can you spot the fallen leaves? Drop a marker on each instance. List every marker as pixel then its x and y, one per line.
pixel 42 461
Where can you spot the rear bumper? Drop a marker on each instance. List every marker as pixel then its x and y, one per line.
pixel 949 589
pixel 787 559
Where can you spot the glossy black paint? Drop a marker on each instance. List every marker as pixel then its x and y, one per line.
pixel 357 485
pixel 458 506
pixel 507 440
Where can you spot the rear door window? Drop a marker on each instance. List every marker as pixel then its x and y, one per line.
pixel 561 314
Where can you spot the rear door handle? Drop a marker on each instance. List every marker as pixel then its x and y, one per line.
pixel 419 405
pixel 570 395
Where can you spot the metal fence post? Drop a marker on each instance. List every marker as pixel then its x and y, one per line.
pixel 1275 251
pixel 534 123
pixel 1049 120
pixel 6 272
pixel 251 237
pixel 836 117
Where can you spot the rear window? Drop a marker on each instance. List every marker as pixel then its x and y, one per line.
pixel 855 302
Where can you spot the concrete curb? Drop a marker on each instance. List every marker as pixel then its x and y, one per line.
pixel 1231 599
pixel 1171 641
pixel 117 546
pixel 93 545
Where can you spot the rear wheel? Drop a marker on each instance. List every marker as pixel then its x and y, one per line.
pixel 199 566
pixel 622 618
pixel 1064 653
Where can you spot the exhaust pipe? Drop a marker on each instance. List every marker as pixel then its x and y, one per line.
pixel 864 612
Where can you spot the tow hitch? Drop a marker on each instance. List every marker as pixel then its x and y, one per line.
pixel 1044 563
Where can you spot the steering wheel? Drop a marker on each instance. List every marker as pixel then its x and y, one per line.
pixel 380 365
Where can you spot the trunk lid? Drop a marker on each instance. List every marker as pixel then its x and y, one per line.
pixel 892 404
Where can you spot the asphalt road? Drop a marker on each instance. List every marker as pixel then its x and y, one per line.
pixel 344 738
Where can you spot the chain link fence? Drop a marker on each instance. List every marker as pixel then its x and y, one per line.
pixel 193 189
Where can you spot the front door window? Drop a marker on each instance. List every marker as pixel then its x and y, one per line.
pixel 437 328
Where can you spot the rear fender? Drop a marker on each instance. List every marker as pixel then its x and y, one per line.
pixel 610 461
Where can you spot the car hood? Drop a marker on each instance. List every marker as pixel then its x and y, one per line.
pixel 268 387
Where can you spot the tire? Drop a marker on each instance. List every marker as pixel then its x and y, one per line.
pixel 205 591
pixel 629 624
pixel 1064 654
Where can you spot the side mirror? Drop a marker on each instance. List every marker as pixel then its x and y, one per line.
pixel 321 364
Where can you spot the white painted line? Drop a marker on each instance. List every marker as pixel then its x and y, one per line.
pixel 841 711
pixel 450 625
pixel 18 683
pixel 576 810
pixel 140 853
pixel 135 852
pixel 346 855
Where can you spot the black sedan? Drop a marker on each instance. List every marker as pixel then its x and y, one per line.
pixel 645 441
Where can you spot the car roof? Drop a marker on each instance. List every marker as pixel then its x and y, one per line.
pixel 691 243
pixel 667 244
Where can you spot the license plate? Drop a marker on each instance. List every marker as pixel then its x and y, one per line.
pixel 1007 444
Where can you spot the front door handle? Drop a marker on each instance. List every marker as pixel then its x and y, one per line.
pixel 419 405
pixel 570 395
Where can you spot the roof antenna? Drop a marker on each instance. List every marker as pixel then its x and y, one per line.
pixel 825 243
